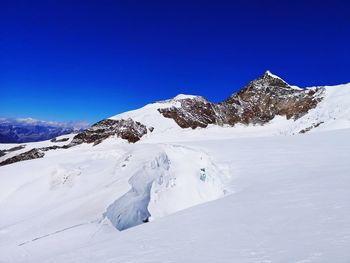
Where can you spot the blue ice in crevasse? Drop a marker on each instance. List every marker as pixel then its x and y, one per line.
pixel 203 175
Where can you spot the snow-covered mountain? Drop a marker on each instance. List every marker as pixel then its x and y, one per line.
pixel 31 130
pixel 263 101
pixel 260 177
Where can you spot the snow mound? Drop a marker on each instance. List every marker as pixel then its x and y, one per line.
pixel 175 179
pixel 131 209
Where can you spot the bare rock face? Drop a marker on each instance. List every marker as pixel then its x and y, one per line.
pixel 13 149
pixel 29 155
pixel 34 153
pixel 194 112
pixel 314 125
pixel 264 98
pixel 257 103
pixel 130 130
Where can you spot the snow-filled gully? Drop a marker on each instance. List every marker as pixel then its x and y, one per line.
pixel 165 181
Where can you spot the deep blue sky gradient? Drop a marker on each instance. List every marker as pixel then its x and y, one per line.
pixel 87 60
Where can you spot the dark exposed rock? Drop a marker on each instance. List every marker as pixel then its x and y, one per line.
pixel 193 113
pixel 13 149
pixel 59 140
pixel 48 148
pixel 257 103
pixel 29 155
pixel 264 98
pixel 16 148
pixel 315 125
pixel 129 130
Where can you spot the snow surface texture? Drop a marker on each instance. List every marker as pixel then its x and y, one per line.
pixel 273 198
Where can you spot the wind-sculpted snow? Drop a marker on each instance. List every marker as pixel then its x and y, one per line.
pixel 131 209
pixel 193 178
pixel 174 179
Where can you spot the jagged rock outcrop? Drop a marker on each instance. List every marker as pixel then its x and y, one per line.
pixel 13 149
pixel 129 130
pixel 59 140
pixel 34 153
pixel 264 98
pixel 193 112
pixel 314 125
pixel 257 103
pixel 29 155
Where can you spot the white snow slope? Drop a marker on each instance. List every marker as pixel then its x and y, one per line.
pixel 272 198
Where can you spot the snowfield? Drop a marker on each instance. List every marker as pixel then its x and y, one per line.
pixel 220 194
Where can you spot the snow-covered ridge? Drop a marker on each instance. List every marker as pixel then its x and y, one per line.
pixel 268 72
pixel 184 96
pixel 257 103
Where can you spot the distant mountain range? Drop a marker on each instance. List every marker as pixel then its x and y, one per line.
pixel 31 130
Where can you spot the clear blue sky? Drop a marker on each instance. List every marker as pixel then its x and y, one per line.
pixel 87 60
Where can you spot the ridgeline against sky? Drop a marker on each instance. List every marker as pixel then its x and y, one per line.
pixel 87 60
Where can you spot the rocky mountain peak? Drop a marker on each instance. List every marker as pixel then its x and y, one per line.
pixel 256 103
pixel 267 81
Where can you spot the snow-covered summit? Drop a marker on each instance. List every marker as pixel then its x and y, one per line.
pixel 184 96
pixel 271 79
pixel 268 72
pixel 181 97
